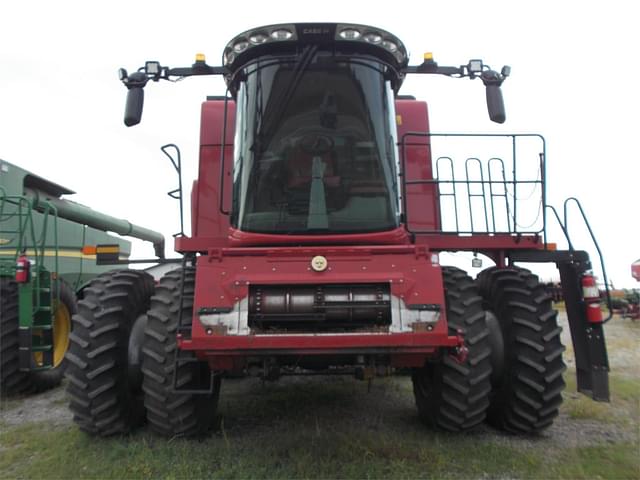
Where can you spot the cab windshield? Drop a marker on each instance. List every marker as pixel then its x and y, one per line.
pixel 315 148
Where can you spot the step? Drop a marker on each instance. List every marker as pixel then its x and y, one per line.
pixel 41 348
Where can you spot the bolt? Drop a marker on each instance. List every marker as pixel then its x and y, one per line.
pixel 209 331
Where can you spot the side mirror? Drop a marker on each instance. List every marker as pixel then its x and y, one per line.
pixel 133 108
pixel 135 98
pixel 495 104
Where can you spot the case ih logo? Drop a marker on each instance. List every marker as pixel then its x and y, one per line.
pixel 316 31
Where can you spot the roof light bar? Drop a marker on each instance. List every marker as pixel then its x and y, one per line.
pixel 373 36
pixel 255 37
pixel 320 33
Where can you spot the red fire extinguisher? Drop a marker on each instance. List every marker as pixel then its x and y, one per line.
pixel 23 269
pixel 591 296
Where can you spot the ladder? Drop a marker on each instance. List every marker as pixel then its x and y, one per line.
pixel 22 234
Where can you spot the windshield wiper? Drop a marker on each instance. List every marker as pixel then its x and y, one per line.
pixel 271 123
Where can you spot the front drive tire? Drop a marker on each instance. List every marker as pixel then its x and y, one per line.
pixel 103 395
pixel 528 392
pixel 169 411
pixel 449 395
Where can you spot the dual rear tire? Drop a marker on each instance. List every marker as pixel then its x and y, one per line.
pixel 527 392
pixel 512 376
pixel 104 394
pixel 122 358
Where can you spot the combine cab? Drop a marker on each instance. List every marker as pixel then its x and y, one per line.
pixel 322 205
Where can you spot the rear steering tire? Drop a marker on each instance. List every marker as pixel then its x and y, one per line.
pixel 102 395
pixel 171 412
pixel 450 395
pixel 527 393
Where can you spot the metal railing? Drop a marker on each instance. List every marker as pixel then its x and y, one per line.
pixel 21 233
pixel 492 184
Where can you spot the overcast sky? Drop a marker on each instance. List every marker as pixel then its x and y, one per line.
pixel 575 74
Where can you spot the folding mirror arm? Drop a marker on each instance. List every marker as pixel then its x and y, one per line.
pixel 153 71
pixel 491 79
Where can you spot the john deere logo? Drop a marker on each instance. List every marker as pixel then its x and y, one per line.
pixel 319 263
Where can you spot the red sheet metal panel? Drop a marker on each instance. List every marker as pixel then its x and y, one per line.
pixel 422 208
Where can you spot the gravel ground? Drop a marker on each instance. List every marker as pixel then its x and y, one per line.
pixel 387 403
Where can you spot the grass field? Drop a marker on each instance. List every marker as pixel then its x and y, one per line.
pixel 330 427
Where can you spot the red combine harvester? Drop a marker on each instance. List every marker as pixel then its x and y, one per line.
pixel 321 207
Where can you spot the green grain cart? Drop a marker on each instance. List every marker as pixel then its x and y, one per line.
pixel 44 267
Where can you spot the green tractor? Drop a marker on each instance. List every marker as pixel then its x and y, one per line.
pixel 47 259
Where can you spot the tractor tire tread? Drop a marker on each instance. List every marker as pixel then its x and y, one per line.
pixel 171 412
pixel 101 400
pixel 527 397
pixel 454 396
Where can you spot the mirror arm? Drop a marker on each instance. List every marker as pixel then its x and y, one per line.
pixel 435 69
pixel 152 70
pixel 194 70
pixel 491 79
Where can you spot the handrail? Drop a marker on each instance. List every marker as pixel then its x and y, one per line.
pixel 485 176
pixel 176 193
pixel 595 243
pixel 26 236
